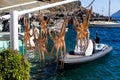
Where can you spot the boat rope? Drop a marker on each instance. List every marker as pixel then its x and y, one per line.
pixel 90 4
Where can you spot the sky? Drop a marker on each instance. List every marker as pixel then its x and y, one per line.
pixel 102 6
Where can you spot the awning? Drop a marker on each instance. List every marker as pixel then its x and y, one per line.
pixel 9 5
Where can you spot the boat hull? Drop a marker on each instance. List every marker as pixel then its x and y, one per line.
pixel 73 59
pixel 104 24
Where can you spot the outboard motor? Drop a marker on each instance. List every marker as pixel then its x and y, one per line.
pixel 97 39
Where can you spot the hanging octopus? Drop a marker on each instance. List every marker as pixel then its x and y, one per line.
pixel 86 25
pixel 82 29
pixel 59 41
pixel 80 34
pixel 86 22
pixel 43 25
pixel 40 44
pixel 27 36
pixel 62 34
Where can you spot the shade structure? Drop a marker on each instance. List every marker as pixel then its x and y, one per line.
pixel 9 5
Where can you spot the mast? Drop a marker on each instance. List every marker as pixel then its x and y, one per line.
pixel 109 11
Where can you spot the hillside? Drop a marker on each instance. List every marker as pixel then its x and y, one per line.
pixel 116 14
pixel 75 9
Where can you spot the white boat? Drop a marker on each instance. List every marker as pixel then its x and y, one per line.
pixel 57 26
pixel 92 53
pixel 104 24
pixel 85 50
pixel 108 23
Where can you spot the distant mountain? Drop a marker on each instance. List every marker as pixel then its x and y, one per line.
pixel 116 14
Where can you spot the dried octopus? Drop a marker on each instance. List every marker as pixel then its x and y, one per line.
pixel 43 25
pixel 40 44
pixel 82 29
pixel 27 35
pixel 59 41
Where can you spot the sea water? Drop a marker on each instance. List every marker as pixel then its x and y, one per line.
pixel 105 68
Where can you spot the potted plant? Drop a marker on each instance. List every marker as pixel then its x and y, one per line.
pixel 13 66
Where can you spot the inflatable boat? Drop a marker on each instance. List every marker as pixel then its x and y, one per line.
pixel 93 52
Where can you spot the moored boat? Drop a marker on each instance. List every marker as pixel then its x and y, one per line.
pixel 85 50
pixel 99 51
pixel 104 24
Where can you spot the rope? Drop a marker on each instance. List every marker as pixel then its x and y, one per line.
pixel 90 4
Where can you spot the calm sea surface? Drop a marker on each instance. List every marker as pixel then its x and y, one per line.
pixel 105 68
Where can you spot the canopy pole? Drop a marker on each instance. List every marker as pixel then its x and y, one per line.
pixel 14 30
